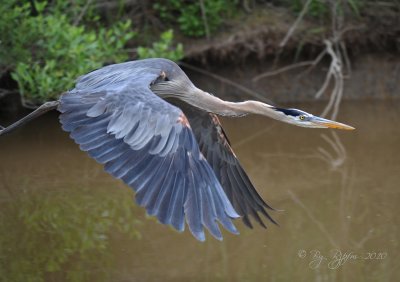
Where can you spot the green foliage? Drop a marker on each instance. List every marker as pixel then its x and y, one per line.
pixel 321 8
pixel 317 8
pixel 162 48
pixel 73 10
pixel 189 15
pixel 47 52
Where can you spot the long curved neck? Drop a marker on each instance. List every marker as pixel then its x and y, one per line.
pixel 210 103
pixel 187 92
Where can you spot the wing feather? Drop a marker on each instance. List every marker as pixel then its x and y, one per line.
pixel 215 146
pixel 139 138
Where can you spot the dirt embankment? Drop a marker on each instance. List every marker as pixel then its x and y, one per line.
pixel 248 46
pixel 372 76
pixel 260 33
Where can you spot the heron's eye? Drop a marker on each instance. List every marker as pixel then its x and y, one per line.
pixel 302 117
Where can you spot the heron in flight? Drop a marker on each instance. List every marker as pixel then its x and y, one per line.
pixel 151 127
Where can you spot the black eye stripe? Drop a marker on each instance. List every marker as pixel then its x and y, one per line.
pixel 289 112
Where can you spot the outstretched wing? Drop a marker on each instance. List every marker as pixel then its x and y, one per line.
pixel 148 143
pixel 215 146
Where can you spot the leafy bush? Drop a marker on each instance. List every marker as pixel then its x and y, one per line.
pixel 189 15
pixel 321 8
pixel 317 8
pixel 162 48
pixel 47 53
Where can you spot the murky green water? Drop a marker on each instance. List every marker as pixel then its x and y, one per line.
pixel 63 219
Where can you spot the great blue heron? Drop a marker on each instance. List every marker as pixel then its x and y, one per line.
pixel 152 128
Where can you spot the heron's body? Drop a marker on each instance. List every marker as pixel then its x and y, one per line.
pixel 153 145
pixel 153 129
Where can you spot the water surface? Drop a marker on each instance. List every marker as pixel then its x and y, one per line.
pixel 62 218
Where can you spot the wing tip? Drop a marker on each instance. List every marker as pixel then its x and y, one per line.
pixel 199 235
pixel 235 232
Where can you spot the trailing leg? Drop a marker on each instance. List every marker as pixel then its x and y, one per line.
pixel 48 106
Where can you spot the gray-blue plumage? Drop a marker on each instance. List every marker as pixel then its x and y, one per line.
pixel 144 140
pixel 151 127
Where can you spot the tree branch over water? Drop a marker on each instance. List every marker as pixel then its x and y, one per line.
pixel 227 81
pixel 335 47
pixel 295 24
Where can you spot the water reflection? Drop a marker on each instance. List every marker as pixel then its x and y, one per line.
pixel 63 219
pixel 47 227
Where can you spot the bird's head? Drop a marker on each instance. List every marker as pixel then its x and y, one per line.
pixel 304 119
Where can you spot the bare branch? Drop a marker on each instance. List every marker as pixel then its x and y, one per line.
pixel 311 65
pixel 331 102
pixel 278 71
pixel 316 62
pixel 295 24
pixel 335 70
pixel 339 95
pixel 204 17
pixel 326 83
pixel 346 61
pixel 227 81
pixel 83 12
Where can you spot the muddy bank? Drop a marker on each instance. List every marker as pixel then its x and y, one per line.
pixel 260 34
pixel 372 76
pixel 247 45
pixel 250 44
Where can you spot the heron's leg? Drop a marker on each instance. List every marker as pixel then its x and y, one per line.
pixel 48 106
